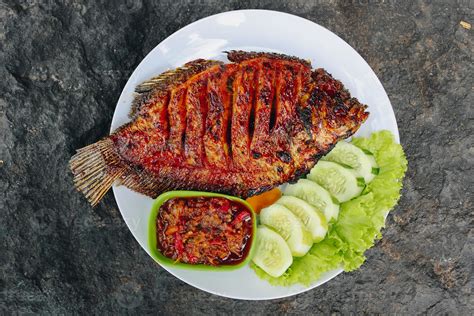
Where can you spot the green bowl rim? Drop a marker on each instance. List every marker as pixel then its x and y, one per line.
pixel 161 259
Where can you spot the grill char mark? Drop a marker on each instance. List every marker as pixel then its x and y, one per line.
pixel 286 122
pixel 301 135
pixel 299 124
pixel 219 99
pixel 159 119
pixel 177 119
pixel 264 97
pixel 226 89
pixel 195 120
pixel 275 105
pixel 286 98
pixel 242 104
pixel 230 115
pixel 253 101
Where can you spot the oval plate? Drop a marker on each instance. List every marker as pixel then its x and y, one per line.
pixel 251 30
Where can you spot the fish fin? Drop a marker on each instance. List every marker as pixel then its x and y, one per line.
pixel 238 56
pixel 148 184
pixel 95 168
pixel 167 81
pixel 141 182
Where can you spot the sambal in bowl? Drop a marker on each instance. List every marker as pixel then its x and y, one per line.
pixel 201 230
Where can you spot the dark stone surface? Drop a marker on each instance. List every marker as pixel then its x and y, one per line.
pixel 62 67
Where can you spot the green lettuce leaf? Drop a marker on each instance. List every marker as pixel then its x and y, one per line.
pixel 360 220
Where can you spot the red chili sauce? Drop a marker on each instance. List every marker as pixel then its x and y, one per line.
pixel 204 230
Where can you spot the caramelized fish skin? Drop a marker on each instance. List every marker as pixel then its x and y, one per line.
pixel 240 128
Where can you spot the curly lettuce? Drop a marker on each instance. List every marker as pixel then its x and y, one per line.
pixel 360 220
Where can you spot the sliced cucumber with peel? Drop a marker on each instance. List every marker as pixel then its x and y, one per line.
pixel 272 253
pixel 287 224
pixel 313 219
pixel 339 181
pixel 315 195
pixel 360 164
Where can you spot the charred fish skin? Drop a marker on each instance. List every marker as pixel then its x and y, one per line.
pixel 239 128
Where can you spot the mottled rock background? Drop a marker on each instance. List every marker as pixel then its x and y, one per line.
pixel 63 65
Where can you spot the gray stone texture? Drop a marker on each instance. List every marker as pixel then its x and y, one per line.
pixel 63 65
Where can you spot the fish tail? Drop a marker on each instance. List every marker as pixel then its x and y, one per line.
pixel 95 168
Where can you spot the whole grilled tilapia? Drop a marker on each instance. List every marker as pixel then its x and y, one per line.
pixel 239 128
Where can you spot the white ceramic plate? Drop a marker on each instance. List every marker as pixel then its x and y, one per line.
pixel 256 30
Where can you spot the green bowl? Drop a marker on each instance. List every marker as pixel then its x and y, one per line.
pixel 160 258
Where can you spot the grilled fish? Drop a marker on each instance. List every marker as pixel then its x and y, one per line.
pixel 239 128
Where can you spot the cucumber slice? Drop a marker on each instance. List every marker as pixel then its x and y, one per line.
pixel 339 181
pixel 352 156
pixel 312 219
pixel 315 195
pixel 284 222
pixel 272 254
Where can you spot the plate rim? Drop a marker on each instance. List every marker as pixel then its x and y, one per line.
pixel 333 273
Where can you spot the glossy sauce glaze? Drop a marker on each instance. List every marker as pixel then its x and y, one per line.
pixel 204 230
